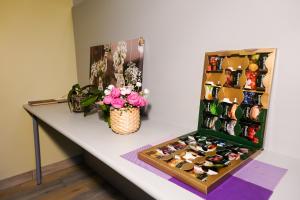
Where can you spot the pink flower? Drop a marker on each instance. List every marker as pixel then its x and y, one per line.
pixel 115 92
pixel 142 102
pixel 133 98
pixel 107 99
pixel 118 103
pixel 136 100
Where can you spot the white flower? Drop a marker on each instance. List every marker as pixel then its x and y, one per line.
pixel 110 87
pixel 107 92
pixel 123 91
pixel 131 87
pixel 146 91
pixel 138 84
pixel 128 90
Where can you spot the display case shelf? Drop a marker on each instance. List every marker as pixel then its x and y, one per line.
pixel 214 71
pixel 255 91
pixel 225 122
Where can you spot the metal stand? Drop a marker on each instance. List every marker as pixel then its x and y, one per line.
pixel 37 151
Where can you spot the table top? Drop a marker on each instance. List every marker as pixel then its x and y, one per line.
pixel 93 135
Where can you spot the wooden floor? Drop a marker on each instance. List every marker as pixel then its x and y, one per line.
pixel 76 183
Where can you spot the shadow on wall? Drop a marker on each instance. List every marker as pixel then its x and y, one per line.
pixel 68 147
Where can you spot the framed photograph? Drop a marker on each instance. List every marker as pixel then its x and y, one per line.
pixel 119 63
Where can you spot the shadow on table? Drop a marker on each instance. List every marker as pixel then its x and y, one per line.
pixel 124 186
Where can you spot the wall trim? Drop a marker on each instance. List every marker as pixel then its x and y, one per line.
pixel 48 169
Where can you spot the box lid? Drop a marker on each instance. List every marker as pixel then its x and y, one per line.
pixel 235 95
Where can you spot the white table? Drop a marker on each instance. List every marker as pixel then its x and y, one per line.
pixel 94 136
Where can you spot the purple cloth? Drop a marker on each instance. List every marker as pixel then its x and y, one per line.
pixel 232 188
pixel 187 187
pixel 256 180
pixel 262 174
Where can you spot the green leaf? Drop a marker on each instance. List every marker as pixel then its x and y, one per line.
pixel 88 101
pixel 109 123
pixel 104 107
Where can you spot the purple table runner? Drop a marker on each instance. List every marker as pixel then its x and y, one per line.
pixel 256 180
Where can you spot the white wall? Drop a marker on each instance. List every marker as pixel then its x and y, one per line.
pixel 177 35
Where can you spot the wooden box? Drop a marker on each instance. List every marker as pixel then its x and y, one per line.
pixel 234 102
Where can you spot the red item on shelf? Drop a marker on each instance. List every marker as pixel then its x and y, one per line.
pixel 251 79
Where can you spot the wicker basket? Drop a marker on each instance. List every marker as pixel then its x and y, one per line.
pixel 125 120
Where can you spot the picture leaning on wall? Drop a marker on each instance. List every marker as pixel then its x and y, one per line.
pixel 119 63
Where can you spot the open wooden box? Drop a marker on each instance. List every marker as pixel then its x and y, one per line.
pixel 234 102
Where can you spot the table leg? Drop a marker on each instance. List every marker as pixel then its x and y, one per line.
pixel 37 151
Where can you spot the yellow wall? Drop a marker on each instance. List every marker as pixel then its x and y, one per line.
pixel 37 61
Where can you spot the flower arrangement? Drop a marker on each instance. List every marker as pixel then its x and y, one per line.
pixel 125 99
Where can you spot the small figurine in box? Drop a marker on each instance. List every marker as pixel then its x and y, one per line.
pixel 212 64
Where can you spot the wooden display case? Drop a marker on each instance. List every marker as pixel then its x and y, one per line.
pixel 234 102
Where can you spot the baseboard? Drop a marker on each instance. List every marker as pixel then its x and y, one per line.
pixel 16 180
pixel 48 169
